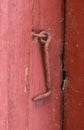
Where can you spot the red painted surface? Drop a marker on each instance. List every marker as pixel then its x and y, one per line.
pixel 21 66
pixel 15 36
pixel 74 61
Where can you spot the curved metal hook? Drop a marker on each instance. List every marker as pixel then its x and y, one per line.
pixel 44 39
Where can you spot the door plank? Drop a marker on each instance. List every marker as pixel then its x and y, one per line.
pixel 15 28
pixel 46 114
pixel 74 61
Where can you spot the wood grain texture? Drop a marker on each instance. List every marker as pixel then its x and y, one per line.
pixel 74 61
pixel 21 65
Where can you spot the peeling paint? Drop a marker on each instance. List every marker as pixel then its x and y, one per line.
pixel 26 80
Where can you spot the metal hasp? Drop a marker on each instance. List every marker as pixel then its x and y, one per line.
pixel 44 39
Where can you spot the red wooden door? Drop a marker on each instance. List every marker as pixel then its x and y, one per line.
pixel 21 67
pixel 74 62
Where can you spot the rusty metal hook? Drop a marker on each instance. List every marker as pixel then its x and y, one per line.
pixel 44 39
